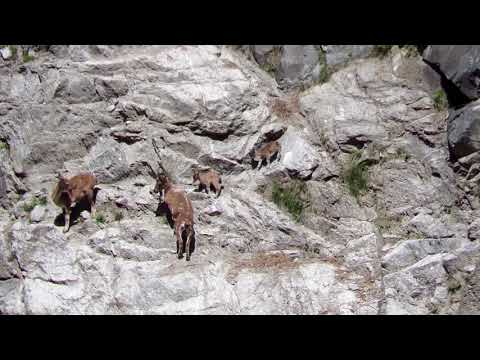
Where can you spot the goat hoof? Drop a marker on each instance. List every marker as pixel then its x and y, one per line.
pixel 188 258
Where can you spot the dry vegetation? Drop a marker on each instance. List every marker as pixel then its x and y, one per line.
pixel 286 107
pixel 262 262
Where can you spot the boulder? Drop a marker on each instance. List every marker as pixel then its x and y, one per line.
pixel 458 63
pixel 464 130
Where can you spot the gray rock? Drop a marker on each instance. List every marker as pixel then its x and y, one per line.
pixel 297 155
pixel 76 89
pixel 474 230
pixel 210 106
pixel 213 210
pixel 460 64
pixel 341 54
pixel 108 88
pixel 299 63
pixel 430 227
pixel 6 53
pixel 107 161
pixel 37 214
pixel 408 252
pixel 463 130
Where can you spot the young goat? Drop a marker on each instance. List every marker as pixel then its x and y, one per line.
pixel 178 204
pixel 266 152
pixel 68 192
pixel 207 179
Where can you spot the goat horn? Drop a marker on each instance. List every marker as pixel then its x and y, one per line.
pixel 157 151
pixel 151 170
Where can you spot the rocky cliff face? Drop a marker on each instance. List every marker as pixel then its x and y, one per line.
pixel 371 207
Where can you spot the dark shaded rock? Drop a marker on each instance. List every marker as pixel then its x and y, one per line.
pixel 460 64
pixel 464 130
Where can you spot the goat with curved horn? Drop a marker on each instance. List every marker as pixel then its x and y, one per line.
pixel 179 206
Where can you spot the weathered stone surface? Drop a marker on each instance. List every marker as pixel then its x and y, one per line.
pixel 6 53
pixel 474 230
pixel 37 214
pixel 460 64
pixel 337 55
pixel 464 130
pixel 107 161
pixel 97 108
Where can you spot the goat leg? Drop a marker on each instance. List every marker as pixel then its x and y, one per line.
pixel 189 237
pixel 67 220
pixel 90 196
pixel 178 230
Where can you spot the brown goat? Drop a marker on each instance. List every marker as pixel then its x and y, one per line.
pixel 266 152
pixel 68 192
pixel 178 204
pixel 180 208
pixel 207 179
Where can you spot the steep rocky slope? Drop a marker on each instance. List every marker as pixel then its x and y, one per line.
pixel 406 244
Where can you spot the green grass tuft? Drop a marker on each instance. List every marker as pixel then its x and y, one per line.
pixel 440 101
pixel 100 218
pixel 13 49
pixel 27 57
pixel 355 175
pixel 29 206
pixel 3 145
pixel 325 71
pixel 42 200
pixel 291 197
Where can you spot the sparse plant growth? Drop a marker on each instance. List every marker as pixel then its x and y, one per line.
pixel 42 200
pixel 284 108
pixel 325 73
pixel 399 154
pixel 323 137
pixel 13 50
pixel 292 197
pixel 29 206
pixel 269 68
pixel 26 57
pixel 100 219
pixel 381 51
pixel 402 154
pixel 415 234
pixel 440 101
pixel 355 174
pixel 410 50
pixel 163 220
pixel 387 223
pixel 118 216
pixel 272 61
pixel 454 215
pixel 262 262
pixel 3 145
